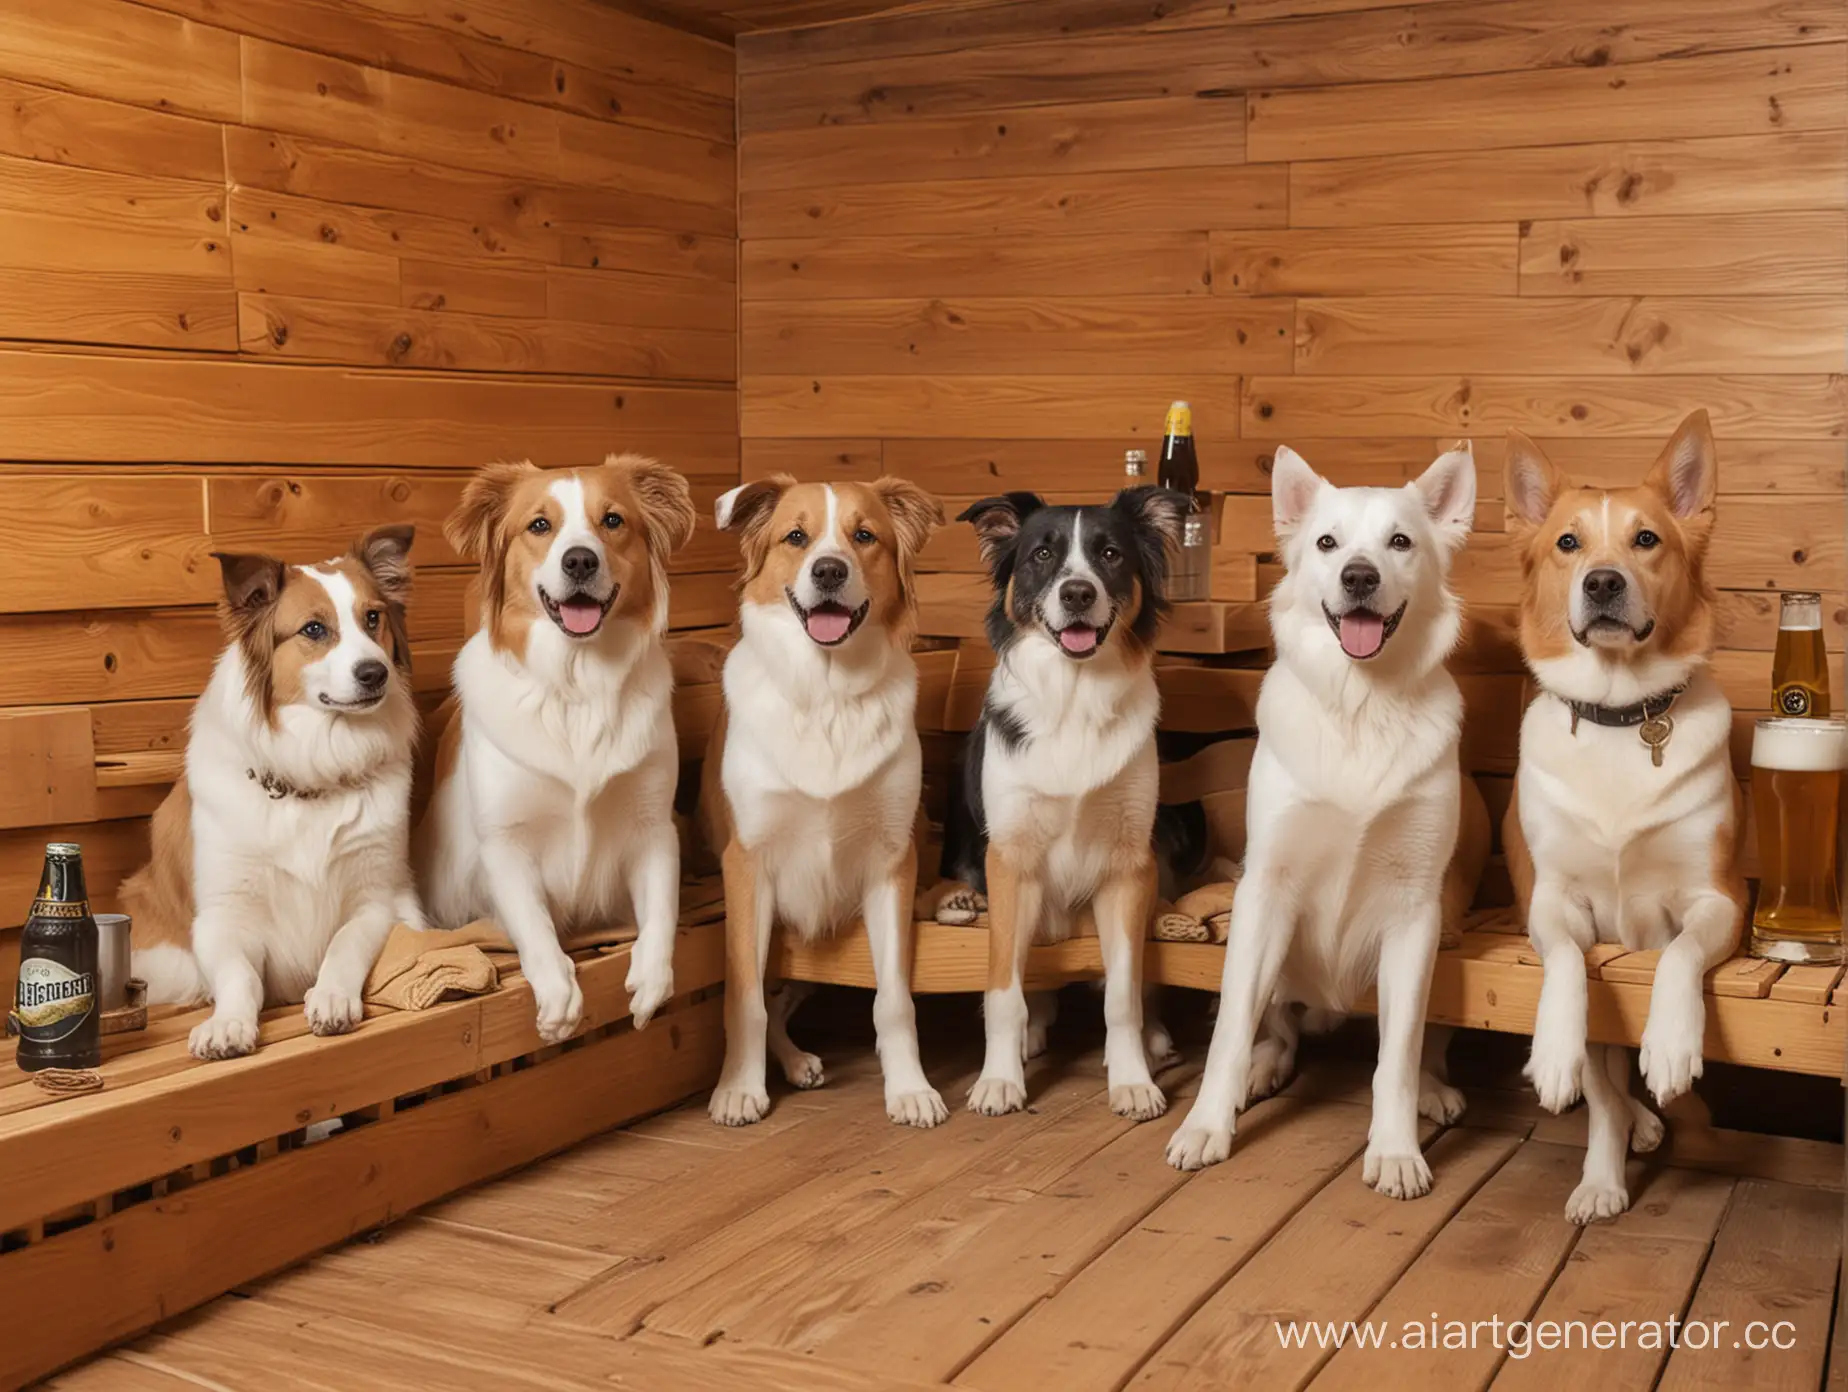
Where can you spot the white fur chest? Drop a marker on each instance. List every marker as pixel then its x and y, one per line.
pixel 822 778
pixel 1597 811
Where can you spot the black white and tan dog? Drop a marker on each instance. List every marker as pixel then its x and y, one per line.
pixel 1060 774
pixel 812 779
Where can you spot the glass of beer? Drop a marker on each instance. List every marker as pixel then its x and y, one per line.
pixel 1797 794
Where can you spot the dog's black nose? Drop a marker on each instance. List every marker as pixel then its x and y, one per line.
pixel 579 563
pixel 1077 596
pixel 1602 586
pixel 371 673
pixel 829 572
pixel 1360 579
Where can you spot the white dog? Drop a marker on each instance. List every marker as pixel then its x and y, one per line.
pixel 1355 798
pixel 553 806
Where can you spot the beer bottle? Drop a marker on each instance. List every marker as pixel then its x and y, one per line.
pixel 1800 667
pixel 1180 466
pixel 58 1006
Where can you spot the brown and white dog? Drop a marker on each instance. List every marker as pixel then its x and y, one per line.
pixel 812 779
pixel 279 859
pixel 553 805
pixel 1626 818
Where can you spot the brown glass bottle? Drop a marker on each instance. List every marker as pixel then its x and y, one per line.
pixel 1180 465
pixel 57 1009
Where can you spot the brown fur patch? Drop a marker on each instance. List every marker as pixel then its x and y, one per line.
pixel 501 502
pixel 159 896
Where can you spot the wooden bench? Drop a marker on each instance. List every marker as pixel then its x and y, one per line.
pixel 182 1179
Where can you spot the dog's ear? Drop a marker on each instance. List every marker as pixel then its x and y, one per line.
pixel 1687 473
pixel 385 552
pixel 1157 510
pixel 747 509
pixel 1532 482
pixel 915 513
pixel 997 522
pixel 750 504
pixel 1294 486
pixel 1448 488
pixel 252 586
pixel 471 527
pixel 668 514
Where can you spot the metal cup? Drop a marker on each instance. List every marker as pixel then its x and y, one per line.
pixel 112 958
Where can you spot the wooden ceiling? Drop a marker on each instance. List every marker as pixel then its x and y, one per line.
pixel 727 18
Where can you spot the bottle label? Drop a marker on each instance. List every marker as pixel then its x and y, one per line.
pixel 1180 421
pixel 53 1000
pixel 54 908
pixel 1795 700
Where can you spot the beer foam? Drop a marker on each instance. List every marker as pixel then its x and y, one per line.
pixel 1800 746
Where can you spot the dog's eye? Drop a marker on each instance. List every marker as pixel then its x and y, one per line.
pixel 612 520
pixel 1400 542
pixel 314 630
pixel 1568 542
pixel 539 526
pixel 1647 539
pixel 1111 554
pixel 1325 543
pixel 372 621
pixel 864 537
pixel 1042 553
pixel 797 537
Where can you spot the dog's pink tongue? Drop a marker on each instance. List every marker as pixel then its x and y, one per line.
pixel 828 625
pixel 581 616
pixel 1362 634
pixel 1079 638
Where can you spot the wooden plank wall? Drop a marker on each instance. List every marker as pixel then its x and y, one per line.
pixel 984 248
pixel 275 271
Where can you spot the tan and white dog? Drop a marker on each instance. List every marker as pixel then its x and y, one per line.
pixel 553 805
pixel 812 778
pixel 280 858
pixel 1626 817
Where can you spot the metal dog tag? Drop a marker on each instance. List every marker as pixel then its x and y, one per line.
pixel 1655 732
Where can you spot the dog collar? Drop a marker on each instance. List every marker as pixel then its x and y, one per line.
pixel 278 787
pixel 1647 709
pixel 1649 717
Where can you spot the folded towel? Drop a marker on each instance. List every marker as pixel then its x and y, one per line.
pixel 420 967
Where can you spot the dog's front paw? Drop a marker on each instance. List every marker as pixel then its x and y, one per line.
pixel 1271 1066
pixel 1439 1102
pixel 997 1096
pixel 923 1108
pixel 1555 1072
pixel 1033 1040
pixel 737 1106
pixel 1670 1057
pixel 223 1037
pixel 1137 1101
pixel 331 1011
pixel 961 908
pixel 560 1005
pixel 1646 1128
pixel 649 985
pixel 804 1071
pixel 1593 1202
pixel 1404 1176
pixel 1194 1146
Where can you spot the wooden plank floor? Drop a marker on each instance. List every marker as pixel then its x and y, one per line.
pixel 826 1249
